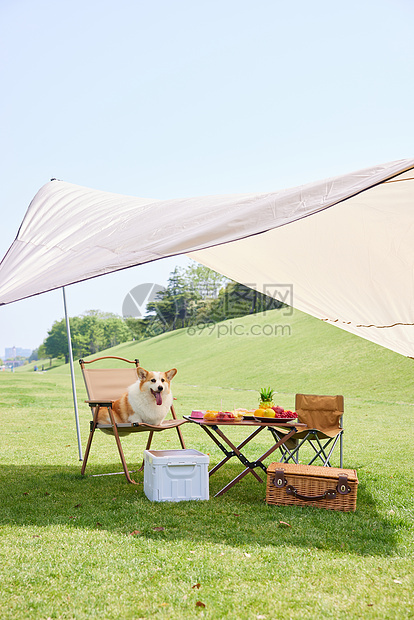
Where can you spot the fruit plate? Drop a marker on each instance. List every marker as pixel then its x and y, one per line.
pixel 274 420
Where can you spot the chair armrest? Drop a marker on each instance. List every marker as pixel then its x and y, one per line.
pixel 102 403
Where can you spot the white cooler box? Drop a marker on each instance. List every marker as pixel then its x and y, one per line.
pixel 175 475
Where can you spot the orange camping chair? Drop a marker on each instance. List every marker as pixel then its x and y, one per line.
pixel 323 416
pixel 103 387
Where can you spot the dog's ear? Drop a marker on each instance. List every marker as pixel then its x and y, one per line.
pixel 142 373
pixel 171 373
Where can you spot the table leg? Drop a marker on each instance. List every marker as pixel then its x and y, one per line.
pixel 276 446
pixel 239 454
pixel 235 449
pixel 235 481
pixel 257 463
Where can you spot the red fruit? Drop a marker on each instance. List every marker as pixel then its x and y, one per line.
pixel 225 415
pixel 278 409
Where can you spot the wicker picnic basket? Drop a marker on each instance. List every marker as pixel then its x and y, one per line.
pixel 310 485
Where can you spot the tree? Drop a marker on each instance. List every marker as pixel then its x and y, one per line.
pixel 56 343
pixel 41 352
pixel 34 356
pixel 238 300
pixel 138 328
pixel 187 297
pixel 115 331
pixel 91 332
pixel 172 307
pixel 204 280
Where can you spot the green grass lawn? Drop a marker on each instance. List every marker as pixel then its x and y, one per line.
pixel 77 548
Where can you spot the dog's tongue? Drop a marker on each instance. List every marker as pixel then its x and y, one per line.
pixel 158 398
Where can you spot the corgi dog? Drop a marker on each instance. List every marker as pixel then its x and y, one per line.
pixel 147 400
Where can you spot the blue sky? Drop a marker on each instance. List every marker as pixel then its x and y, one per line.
pixel 177 98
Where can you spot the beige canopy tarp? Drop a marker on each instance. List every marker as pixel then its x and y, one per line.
pixel 342 248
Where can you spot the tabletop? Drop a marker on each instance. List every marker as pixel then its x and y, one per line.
pixel 244 422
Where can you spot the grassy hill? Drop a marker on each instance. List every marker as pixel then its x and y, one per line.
pixel 292 354
pixel 45 364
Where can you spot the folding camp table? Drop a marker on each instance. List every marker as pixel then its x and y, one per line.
pixel 215 430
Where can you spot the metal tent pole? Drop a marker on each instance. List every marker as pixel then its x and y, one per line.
pixel 72 374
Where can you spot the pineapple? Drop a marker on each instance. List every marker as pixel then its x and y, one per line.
pixel 266 398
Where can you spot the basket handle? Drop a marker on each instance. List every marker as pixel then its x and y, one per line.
pixel 329 494
pixel 342 487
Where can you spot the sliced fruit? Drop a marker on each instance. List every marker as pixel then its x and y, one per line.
pixel 225 415
pixel 210 415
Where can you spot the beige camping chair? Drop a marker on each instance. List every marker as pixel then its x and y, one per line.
pixel 103 387
pixel 323 416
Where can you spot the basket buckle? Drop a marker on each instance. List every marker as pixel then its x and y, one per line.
pixel 279 480
pixel 343 487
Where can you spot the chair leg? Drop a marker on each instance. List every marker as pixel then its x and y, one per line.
pixel 121 452
pixel 290 455
pixel 180 435
pixel 88 445
pixel 147 447
pixel 294 454
pixel 321 452
pixel 328 463
pixel 325 458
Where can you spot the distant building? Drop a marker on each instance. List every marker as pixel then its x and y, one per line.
pixel 12 352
